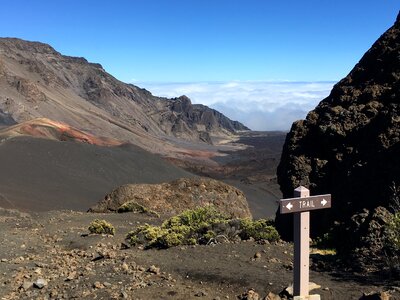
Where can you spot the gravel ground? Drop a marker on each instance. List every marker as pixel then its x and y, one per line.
pixel 50 255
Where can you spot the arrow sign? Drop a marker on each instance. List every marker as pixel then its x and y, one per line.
pixel 305 204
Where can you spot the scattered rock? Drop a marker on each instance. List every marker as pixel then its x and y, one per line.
pixel 249 295
pixel 125 267
pixel 201 294
pixel 40 283
pixel 153 269
pixel 98 285
pixel 98 256
pixel 27 285
pixel 375 296
pixel 257 255
pixel 124 295
pixel 272 296
pixel 124 246
pixel 71 276
pixel 288 292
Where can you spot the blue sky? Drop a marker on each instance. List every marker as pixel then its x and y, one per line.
pixel 203 41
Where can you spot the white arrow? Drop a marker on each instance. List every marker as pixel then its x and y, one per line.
pixel 324 202
pixel 289 206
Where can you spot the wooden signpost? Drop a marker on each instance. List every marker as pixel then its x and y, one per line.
pixel 300 206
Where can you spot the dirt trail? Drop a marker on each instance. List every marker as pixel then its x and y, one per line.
pixel 54 246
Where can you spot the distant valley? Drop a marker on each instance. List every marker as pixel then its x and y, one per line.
pixel 57 98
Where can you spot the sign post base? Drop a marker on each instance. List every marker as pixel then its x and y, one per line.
pixel 309 297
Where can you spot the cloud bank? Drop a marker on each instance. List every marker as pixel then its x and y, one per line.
pixel 260 105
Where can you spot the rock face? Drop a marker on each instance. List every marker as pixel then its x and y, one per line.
pixel 187 118
pixel 38 82
pixel 178 196
pixel 6 119
pixel 349 145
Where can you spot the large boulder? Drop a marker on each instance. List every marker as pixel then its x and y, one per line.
pixel 349 145
pixel 177 196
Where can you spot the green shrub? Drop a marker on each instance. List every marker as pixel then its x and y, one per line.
pixel 101 227
pixel 325 241
pixel 392 234
pixel 199 226
pixel 209 235
pixel 132 206
pixel 169 239
pixel 145 234
pixel 258 230
pixel 196 219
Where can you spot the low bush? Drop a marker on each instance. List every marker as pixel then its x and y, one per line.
pixel 132 206
pixel 391 244
pixel 392 233
pixel 258 230
pixel 200 226
pixel 325 241
pixel 101 227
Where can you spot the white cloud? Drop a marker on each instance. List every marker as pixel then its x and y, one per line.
pixel 260 105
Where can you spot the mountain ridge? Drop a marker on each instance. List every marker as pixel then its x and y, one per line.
pixel 37 81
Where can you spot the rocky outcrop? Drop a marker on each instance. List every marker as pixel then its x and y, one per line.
pixel 349 145
pixel 177 196
pixel 36 81
pixel 6 119
pixel 187 118
pixel 365 238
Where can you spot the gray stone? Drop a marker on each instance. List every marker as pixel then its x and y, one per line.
pixel 40 283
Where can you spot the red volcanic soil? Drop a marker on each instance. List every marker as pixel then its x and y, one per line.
pixel 55 131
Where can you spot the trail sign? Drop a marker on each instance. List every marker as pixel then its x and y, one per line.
pixel 300 206
pixel 292 205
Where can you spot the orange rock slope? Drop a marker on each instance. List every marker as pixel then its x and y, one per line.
pixel 53 130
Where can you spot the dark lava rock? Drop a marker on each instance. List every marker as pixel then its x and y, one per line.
pixel 376 296
pixel 349 145
pixel 364 239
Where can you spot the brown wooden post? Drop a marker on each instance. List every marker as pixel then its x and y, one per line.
pixel 300 206
pixel 301 247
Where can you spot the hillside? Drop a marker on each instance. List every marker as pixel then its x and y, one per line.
pixel 349 145
pixel 40 174
pixel 36 81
